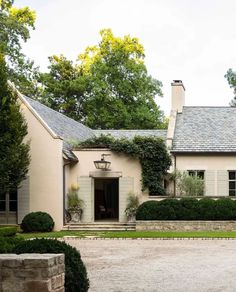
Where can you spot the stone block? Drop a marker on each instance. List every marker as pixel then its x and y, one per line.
pixel 38 286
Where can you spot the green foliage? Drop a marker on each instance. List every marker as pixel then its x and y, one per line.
pixel 37 222
pixel 74 202
pixel 14 152
pixel 151 152
pixel 76 279
pixel 231 78
pixel 188 185
pixel 8 231
pixel 15 25
pixel 8 244
pixel 132 205
pixel 188 209
pixel 107 88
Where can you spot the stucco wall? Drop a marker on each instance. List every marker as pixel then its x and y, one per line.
pixel 216 170
pixel 45 171
pixel 128 170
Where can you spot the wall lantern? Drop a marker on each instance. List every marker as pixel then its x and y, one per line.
pixel 102 164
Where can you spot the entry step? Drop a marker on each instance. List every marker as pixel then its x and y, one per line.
pixel 100 226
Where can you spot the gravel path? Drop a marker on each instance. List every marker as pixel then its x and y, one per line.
pixel 159 265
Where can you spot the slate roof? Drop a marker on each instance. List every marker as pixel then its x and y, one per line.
pixel 132 133
pixel 205 129
pixel 69 129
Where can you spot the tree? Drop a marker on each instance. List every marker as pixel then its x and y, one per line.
pixel 231 78
pixel 15 25
pixel 14 153
pixel 108 87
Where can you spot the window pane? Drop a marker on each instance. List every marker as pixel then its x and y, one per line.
pixel 232 175
pixel 192 172
pixel 13 195
pixel 232 192
pixel 13 206
pixel 2 196
pixel 232 185
pixel 2 206
pixel 200 174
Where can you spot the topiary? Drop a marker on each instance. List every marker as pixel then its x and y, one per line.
pixel 76 279
pixel 206 209
pixel 37 222
pixel 225 209
pixel 147 211
pixel 189 209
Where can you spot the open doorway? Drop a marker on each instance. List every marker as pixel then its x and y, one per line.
pixel 106 199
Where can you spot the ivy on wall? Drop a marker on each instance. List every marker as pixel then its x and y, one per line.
pixel 151 152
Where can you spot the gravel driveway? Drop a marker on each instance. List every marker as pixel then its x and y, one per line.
pixel 159 265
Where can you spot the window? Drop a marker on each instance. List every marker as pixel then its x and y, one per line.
pixel 232 183
pixel 198 173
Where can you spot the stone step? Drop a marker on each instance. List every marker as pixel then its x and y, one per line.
pixel 100 226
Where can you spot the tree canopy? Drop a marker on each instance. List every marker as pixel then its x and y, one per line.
pixel 231 78
pixel 107 88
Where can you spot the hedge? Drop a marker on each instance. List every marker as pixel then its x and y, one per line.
pixel 188 209
pixel 76 279
pixel 37 222
pixel 8 244
pixel 8 231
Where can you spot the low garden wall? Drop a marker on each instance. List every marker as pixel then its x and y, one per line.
pixel 186 225
pixel 32 272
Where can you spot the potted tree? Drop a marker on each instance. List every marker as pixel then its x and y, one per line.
pixel 75 204
pixel 132 207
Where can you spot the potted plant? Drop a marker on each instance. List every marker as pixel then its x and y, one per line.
pixel 75 204
pixel 132 207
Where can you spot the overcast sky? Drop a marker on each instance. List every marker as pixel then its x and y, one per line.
pixel 191 40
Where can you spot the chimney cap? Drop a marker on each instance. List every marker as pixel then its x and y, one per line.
pixel 178 83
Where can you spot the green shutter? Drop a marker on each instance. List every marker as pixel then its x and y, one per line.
pixel 222 183
pixel 210 183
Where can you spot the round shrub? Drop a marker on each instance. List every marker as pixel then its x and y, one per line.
pixel 147 211
pixel 75 272
pixel 206 209
pixel 37 222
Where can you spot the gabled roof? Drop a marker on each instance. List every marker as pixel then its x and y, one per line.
pixel 205 129
pixel 132 133
pixel 69 130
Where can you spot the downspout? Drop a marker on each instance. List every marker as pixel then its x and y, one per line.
pixel 174 179
pixel 64 190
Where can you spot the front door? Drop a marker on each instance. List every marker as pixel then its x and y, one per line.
pixel 8 207
pixel 106 207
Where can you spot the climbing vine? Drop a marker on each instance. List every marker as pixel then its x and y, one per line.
pixel 151 152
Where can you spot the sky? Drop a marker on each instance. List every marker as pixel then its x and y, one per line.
pixel 189 40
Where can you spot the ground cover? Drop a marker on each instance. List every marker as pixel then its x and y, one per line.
pixel 129 234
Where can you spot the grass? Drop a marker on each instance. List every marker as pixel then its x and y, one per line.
pixel 130 234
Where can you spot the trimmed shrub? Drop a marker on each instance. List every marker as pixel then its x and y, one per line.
pixel 147 211
pixel 76 279
pixel 8 231
pixel 189 209
pixel 225 209
pixel 8 244
pixel 37 222
pixel 206 209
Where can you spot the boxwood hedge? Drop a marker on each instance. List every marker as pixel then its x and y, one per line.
pixel 188 209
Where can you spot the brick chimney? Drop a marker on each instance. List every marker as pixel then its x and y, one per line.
pixel 178 96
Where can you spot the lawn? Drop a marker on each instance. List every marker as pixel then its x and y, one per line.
pixel 130 234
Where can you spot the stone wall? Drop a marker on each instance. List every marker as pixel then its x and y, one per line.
pixel 186 225
pixel 32 272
